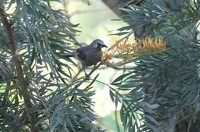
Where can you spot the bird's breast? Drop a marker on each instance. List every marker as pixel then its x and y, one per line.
pixel 93 57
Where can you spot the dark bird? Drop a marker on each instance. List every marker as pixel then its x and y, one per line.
pixel 90 54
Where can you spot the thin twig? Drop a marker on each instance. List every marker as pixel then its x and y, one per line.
pixel 84 79
pixel 126 37
pixel 88 75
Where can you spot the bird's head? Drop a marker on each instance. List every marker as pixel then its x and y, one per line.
pixel 97 43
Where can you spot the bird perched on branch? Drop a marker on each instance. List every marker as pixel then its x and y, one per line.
pixel 90 54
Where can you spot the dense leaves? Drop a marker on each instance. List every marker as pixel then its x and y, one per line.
pixel 159 91
pixel 59 100
pixel 163 88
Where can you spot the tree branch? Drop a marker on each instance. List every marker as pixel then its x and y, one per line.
pixel 19 71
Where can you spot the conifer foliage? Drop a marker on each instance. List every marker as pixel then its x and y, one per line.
pixel 158 90
pixel 37 89
pixel 162 89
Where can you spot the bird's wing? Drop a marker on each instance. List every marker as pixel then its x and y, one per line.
pixel 81 54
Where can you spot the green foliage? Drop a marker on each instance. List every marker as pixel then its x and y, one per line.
pixel 162 88
pixel 59 101
pixel 158 92
pixel 162 17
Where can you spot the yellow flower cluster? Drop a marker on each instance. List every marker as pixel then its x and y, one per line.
pixel 127 50
pixel 149 45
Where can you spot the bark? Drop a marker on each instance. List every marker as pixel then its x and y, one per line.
pixel 19 71
pixel 115 5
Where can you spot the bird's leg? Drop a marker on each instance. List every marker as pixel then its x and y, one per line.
pixel 83 68
pixel 94 66
pixel 85 71
pixel 86 75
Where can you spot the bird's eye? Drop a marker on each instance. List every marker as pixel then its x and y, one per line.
pixel 99 44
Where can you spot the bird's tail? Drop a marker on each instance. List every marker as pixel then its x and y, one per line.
pixel 69 55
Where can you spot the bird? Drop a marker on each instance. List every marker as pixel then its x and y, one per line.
pixel 90 54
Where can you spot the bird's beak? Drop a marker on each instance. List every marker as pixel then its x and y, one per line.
pixel 103 45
